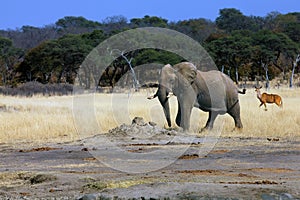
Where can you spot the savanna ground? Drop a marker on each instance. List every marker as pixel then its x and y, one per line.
pixel 43 156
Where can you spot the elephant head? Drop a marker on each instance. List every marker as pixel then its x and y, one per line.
pixel 174 79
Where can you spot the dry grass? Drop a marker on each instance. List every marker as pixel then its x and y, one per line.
pixel 36 119
pixel 50 119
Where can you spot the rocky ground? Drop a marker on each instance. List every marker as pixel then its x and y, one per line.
pixel 143 161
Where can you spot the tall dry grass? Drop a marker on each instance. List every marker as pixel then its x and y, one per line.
pixel 50 119
pixel 36 119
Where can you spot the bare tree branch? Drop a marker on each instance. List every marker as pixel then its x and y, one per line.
pixel 293 70
pixel 135 80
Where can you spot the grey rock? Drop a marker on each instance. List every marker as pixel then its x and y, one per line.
pixel 88 197
pixel 138 121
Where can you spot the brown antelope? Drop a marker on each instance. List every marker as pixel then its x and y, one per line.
pixel 268 98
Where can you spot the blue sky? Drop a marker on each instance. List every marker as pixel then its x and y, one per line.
pixel 16 13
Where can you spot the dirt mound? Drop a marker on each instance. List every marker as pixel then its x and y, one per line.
pixel 140 128
pixel 40 178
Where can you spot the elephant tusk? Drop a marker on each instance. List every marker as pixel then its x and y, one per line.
pixel 152 97
pixel 170 94
pixel 155 95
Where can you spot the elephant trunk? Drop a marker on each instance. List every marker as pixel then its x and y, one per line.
pixel 162 94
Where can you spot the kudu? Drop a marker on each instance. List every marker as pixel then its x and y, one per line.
pixel 268 98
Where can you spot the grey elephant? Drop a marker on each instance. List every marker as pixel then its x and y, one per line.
pixel 211 91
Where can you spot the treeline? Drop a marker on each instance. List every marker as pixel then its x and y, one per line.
pixel 241 46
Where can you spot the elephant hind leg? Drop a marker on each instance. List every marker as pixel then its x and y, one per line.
pixel 235 114
pixel 238 122
pixel 211 119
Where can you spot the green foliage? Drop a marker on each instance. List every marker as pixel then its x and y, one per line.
pixel 198 29
pixel 289 24
pixel 231 19
pixel 94 38
pixel 244 48
pixel 58 60
pixel 156 56
pixel 149 21
pixel 293 31
pixel 70 21
pixel 231 51
pixel 4 44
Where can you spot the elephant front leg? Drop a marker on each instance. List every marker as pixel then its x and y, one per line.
pixel 211 119
pixel 185 109
pixel 178 116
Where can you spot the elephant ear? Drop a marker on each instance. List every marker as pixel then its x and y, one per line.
pixel 187 70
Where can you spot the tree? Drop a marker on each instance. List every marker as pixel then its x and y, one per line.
pixel 94 38
pixel 292 29
pixel 231 19
pixel 9 57
pixel 136 83
pixel 240 45
pixel 269 47
pixel 231 51
pixel 198 29
pixel 289 24
pixel 149 21
pixel 270 20
pixel 114 24
pixel 38 63
pixel 54 61
pixel 28 37
pixel 76 25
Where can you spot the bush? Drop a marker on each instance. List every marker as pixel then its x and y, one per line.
pixel 35 88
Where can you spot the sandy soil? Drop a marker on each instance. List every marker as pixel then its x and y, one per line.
pixel 92 168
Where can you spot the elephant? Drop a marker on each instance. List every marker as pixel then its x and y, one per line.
pixel 210 91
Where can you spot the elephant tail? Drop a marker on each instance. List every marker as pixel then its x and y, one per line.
pixel 243 91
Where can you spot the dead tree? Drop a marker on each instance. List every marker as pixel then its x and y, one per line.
pixel 293 70
pixel 265 67
pixel 136 84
